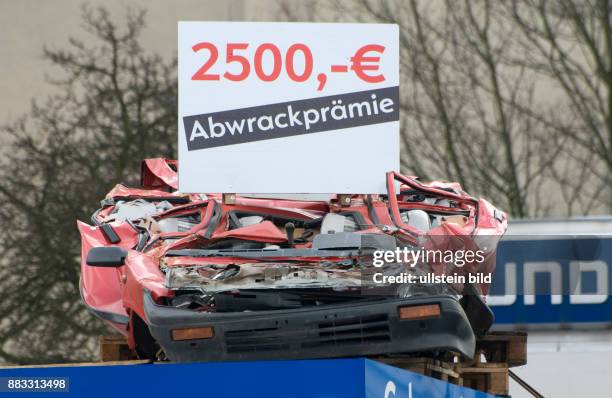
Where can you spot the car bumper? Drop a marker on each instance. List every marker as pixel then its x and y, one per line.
pixel 356 329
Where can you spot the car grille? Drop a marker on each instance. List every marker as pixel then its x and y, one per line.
pixel 342 331
pixel 324 333
pixel 254 340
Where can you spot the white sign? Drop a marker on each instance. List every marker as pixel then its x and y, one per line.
pixel 287 107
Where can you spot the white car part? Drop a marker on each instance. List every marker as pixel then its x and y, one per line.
pixel 418 219
pixel 137 209
pixel 336 223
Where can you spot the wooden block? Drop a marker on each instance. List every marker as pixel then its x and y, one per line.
pixel 114 348
pixel 344 199
pixel 228 198
pixel 504 347
pixel 491 378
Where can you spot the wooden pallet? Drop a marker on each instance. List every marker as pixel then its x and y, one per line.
pixel 491 378
pixel 500 351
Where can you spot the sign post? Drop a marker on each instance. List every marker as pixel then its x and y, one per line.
pixel 287 107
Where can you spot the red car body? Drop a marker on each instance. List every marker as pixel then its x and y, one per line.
pixel 119 294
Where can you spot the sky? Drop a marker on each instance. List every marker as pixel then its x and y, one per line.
pixel 28 25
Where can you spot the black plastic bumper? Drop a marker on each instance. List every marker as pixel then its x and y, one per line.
pixel 345 330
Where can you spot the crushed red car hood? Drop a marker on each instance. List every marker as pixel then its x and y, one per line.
pixel 176 240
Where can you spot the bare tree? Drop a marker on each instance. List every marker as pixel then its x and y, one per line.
pixel 116 105
pixel 462 100
pixel 475 109
pixel 569 43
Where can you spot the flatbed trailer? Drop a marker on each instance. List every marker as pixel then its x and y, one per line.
pixel 445 375
pixel 488 372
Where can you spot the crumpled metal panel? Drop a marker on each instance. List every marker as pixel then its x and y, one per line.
pixel 215 278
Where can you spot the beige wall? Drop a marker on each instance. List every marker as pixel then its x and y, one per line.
pixel 27 25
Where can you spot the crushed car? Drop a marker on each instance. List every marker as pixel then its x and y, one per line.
pixel 211 277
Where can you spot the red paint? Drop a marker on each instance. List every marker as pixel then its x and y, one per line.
pixel 119 291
